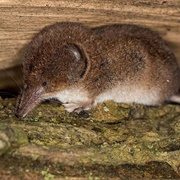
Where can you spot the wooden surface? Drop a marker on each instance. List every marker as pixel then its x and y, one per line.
pixel 20 20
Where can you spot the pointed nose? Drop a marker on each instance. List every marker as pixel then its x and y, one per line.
pixel 20 112
pixel 20 106
pixel 23 108
pixel 19 115
pixel 27 100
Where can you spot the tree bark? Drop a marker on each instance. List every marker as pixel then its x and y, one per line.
pixel 112 141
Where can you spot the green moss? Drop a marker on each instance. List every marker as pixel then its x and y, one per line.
pixel 111 134
pixel 47 175
pixel 111 112
pixel 11 137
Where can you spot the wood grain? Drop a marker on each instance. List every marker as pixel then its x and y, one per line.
pixel 20 20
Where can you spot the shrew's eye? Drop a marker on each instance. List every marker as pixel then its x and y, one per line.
pixel 44 83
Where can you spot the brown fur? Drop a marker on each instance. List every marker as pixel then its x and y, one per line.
pixel 140 55
pixel 67 55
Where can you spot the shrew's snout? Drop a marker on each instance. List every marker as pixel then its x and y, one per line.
pixel 21 106
pixel 27 101
pixel 18 115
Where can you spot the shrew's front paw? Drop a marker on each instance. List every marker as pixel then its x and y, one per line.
pixel 78 106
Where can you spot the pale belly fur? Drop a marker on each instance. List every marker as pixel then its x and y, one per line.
pixel 118 94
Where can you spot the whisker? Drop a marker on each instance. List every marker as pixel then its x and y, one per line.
pixel 17 58
pixel 9 74
pixel 7 93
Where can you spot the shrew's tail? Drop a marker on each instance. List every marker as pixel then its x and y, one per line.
pixel 175 98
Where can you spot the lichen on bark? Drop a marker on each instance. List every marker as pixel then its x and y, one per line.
pixel 114 135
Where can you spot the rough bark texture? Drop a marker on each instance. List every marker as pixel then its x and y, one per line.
pixel 20 20
pixel 112 141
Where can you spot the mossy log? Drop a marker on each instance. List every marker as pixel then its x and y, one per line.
pixel 112 141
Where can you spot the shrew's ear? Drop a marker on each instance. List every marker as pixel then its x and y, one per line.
pixel 79 63
pixel 75 51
